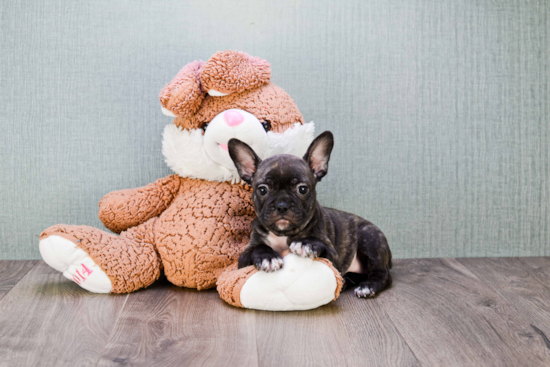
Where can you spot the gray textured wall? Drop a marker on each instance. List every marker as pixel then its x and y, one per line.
pixel 440 109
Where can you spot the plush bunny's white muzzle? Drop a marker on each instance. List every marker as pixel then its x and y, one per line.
pixel 231 124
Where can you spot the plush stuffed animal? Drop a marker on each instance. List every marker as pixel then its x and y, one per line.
pixel 194 224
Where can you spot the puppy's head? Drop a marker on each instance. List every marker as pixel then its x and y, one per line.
pixel 283 185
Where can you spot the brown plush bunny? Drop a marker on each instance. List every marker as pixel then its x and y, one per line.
pixel 193 224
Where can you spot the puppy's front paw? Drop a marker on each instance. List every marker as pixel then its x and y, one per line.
pixel 269 264
pixel 305 249
pixel 364 291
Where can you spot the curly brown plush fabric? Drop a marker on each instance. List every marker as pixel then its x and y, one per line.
pixel 123 209
pixel 204 231
pixel 244 76
pixel 234 71
pixel 197 237
pixel 129 260
pixel 268 102
pixel 339 279
pixel 183 95
pixel 231 282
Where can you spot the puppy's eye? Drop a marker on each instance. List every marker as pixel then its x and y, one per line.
pixel 267 125
pixel 204 127
pixel 303 189
pixel 263 190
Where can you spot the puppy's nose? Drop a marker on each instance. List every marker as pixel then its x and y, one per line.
pixel 282 207
pixel 233 118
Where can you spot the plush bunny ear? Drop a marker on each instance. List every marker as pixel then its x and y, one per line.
pixel 183 95
pixel 233 71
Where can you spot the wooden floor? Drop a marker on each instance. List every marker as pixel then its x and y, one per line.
pixel 439 312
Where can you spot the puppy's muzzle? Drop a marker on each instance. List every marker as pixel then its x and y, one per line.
pixel 282 208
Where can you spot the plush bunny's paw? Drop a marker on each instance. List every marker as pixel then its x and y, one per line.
pixel 75 264
pixel 301 284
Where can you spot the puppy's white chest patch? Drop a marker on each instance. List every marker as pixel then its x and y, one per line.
pixel 278 244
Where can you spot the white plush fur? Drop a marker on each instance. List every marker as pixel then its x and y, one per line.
pixel 75 264
pixel 301 284
pixel 215 93
pixel 294 141
pixel 167 112
pixel 189 153
pixel 250 130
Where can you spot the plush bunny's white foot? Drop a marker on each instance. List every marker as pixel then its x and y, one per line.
pixel 301 284
pixel 75 264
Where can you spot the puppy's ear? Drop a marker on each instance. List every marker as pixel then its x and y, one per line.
pixel 318 154
pixel 245 159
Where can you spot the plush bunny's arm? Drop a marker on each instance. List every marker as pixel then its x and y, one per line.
pixel 120 210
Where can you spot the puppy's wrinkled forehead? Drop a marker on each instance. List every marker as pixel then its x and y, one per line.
pixel 283 169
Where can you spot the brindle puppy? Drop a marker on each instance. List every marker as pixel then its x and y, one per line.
pixel 289 217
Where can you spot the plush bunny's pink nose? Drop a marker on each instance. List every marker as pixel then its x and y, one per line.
pixel 233 118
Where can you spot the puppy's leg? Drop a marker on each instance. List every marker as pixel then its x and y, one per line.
pixel 262 257
pixel 376 282
pixel 352 280
pixel 374 255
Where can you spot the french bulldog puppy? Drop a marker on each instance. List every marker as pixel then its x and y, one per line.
pixel 290 218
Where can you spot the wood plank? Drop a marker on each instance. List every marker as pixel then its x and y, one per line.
pixel 450 312
pixel 450 318
pixel 11 271
pixel 48 320
pixel 348 332
pixel 524 282
pixel 165 325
